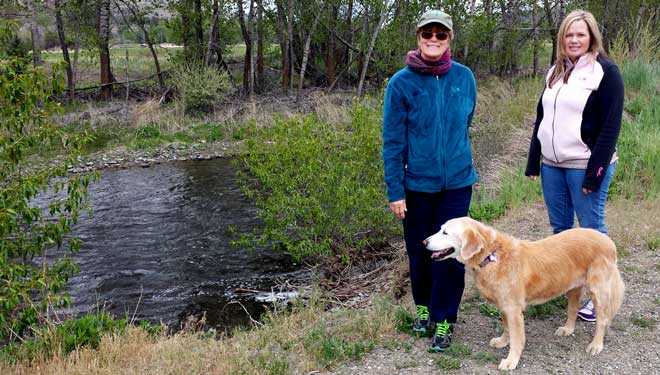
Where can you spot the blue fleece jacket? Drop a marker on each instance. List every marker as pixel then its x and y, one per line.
pixel 426 146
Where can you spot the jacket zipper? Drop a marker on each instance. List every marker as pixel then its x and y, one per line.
pixel 554 116
pixel 441 141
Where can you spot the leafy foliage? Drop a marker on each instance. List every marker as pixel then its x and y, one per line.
pixel 69 336
pixel 320 186
pixel 29 281
pixel 199 87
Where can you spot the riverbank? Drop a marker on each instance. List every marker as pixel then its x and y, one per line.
pixel 369 339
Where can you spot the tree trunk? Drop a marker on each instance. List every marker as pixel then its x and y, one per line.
pixel 247 38
pixel 349 29
pixel 185 34
pixel 65 49
pixel 283 36
pixel 34 33
pixel 305 57
pixel 552 30
pixel 372 43
pixel 259 76
pixel 290 49
pixel 535 41
pixel 470 14
pixel 199 32
pixel 213 34
pixel 103 25
pixel 251 33
pixel 330 60
pixel 76 49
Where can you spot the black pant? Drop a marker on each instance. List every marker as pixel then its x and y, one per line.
pixel 436 284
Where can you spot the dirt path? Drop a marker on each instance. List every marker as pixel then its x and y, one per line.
pixel 632 345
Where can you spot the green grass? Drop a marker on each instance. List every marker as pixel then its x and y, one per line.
pixel 543 311
pixel 637 175
pixel 67 337
pixel 485 358
pixel 330 349
pixel 458 350
pixel 643 322
pixel 447 363
pixel 403 321
pixel 653 242
pixel 489 310
pixel 549 309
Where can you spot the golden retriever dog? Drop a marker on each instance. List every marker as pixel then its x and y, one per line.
pixel 513 273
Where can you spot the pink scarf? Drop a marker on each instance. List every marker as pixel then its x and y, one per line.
pixel 419 65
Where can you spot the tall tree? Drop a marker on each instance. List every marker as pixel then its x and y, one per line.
pixel 305 57
pixel 535 39
pixel 283 38
pixel 259 76
pixel 246 31
pixel 379 26
pixel 103 29
pixel 34 33
pixel 332 31
pixel 65 49
pixel 552 29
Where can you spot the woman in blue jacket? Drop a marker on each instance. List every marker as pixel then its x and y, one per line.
pixel 427 157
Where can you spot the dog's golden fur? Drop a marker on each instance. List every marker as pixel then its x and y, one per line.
pixel 513 273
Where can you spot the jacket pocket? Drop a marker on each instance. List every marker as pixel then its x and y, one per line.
pixel 459 108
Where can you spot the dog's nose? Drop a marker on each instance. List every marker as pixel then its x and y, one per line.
pixel 425 242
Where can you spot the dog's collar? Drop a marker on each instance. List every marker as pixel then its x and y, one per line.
pixel 490 258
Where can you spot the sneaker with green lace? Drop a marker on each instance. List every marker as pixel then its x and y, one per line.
pixel 422 325
pixel 442 337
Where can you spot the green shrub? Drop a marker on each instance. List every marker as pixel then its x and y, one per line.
pixel 403 321
pixel 69 336
pixel 28 283
pixel 320 186
pixel 199 87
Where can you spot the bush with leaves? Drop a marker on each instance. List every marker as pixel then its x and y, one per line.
pixel 319 186
pixel 199 87
pixel 29 284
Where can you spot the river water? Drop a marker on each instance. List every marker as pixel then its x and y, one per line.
pixel 157 247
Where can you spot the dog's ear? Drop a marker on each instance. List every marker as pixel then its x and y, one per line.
pixel 472 243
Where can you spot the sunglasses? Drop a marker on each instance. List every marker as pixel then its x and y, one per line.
pixel 439 36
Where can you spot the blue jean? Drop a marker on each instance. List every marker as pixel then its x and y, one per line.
pixel 562 191
pixel 436 284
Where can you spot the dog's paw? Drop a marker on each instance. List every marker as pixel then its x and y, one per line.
pixel 499 342
pixel 508 363
pixel 564 331
pixel 594 348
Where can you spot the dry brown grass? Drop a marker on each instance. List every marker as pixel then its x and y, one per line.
pixel 262 350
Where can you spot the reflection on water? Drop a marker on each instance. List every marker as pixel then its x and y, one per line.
pixel 157 246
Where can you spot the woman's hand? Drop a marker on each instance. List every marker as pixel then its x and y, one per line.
pixel 399 208
pixel 533 178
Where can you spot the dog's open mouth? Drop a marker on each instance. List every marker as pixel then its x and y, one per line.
pixel 441 254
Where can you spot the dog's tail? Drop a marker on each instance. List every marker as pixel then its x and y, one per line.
pixel 617 289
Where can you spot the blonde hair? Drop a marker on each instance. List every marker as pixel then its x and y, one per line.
pixel 595 43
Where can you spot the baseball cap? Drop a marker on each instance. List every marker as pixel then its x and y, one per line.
pixel 435 16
